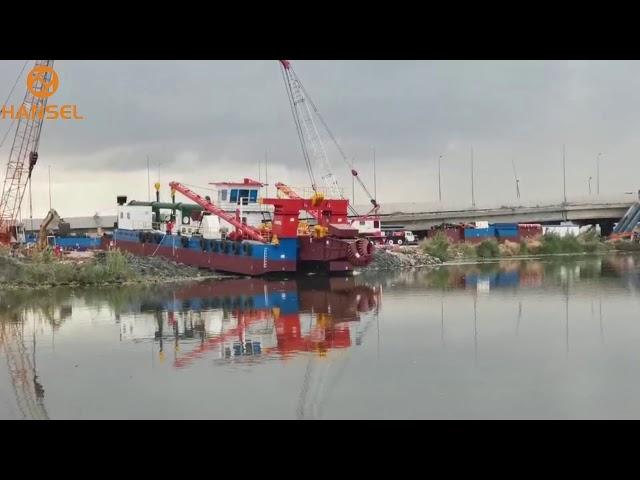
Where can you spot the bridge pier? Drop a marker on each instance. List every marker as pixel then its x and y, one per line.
pixel 606 227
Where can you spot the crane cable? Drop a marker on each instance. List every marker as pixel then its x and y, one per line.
pixel 333 138
pixel 304 91
pixel 4 138
pixel 296 120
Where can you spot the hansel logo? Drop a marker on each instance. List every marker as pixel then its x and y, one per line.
pixel 42 82
pixel 39 74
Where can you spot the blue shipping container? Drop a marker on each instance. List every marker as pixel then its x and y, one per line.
pixel 78 243
pixel 506 232
pixel 479 232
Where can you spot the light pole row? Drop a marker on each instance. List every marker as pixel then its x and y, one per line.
pixel 517 180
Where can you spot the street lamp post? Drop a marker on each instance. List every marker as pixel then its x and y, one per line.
pixel 564 174
pixel 598 174
pixel 473 196
pixel 590 178
pixel 515 176
pixel 439 182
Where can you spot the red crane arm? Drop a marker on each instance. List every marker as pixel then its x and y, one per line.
pixel 246 230
pixel 289 192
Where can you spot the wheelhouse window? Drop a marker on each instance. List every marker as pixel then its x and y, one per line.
pixel 253 196
pixel 233 197
pixel 244 194
pixel 223 195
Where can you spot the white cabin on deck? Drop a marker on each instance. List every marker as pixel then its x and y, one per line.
pixel 243 196
pixel 370 227
pixel 133 217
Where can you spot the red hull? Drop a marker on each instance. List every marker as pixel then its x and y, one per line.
pixel 212 261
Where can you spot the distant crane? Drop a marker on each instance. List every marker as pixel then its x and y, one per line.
pixel 313 149
pixel 23 156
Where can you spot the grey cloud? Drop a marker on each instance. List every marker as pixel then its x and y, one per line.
pixel 206 115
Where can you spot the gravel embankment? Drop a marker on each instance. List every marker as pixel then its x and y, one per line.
pixel 397 259
pixel 161 269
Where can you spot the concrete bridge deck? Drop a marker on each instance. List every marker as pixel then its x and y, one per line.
pixel 422 216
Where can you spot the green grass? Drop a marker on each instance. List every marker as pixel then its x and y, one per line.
pixel 553 244
pixel 45 269
pixel 488 249
pixel 588 243
pixel 438 246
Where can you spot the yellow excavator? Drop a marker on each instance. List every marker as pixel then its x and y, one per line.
pixel 49 221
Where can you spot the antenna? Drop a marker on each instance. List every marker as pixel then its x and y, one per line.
pixel 266 174
pixel 158 184
pixel 148 179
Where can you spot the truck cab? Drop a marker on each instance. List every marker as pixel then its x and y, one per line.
pixel 398 236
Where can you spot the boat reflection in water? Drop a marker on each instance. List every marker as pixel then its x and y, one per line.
pixel 248 319
pixel 296 343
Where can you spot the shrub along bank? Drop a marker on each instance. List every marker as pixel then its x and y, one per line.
pixel 440 247
pixel 114 267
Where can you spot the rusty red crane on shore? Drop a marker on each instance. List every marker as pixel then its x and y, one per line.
pixel 24 151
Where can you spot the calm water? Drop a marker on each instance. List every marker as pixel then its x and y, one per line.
pixel 516 339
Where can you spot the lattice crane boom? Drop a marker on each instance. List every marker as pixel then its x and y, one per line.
pixel 24 153
pixel 312 147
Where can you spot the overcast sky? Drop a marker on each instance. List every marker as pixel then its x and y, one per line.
pixel 213 120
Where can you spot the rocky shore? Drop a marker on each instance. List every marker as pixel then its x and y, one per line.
pixel 399 258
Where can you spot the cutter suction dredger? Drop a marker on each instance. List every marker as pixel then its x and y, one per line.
pixel 284 244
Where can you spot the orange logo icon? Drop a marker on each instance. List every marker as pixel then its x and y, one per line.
pixel 38 84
